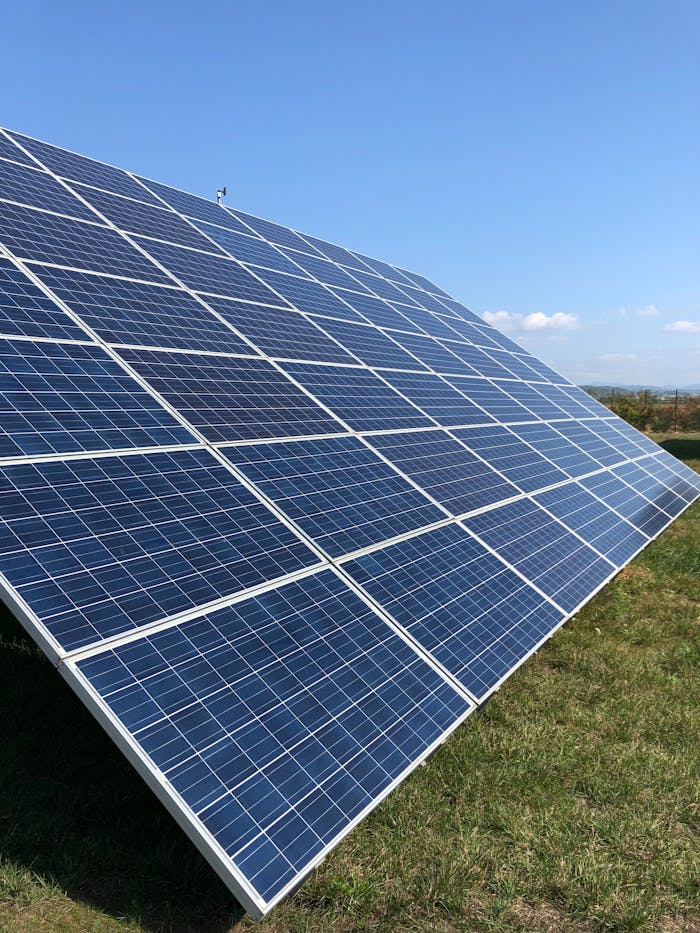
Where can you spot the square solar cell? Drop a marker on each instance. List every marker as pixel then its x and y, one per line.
pixel 521 464
pixel 145 219
pixel 479 360
pixel 337 253
pixel 445 469
pixel 530 398
pixel 643 482
pixel 381 287
pixel 515 365
pixel 429 323
pixel 546 372
pixel 276 723
pixel 638 510
pixel 96 547
pixel 9 150
pixel 358 397
pixel 65 398
pixel 466 331
pixel 80 168
pixel 35 188
pixel 585 437
pixel 204 272
pixel 307 295
pixel 625 443
pixel 195 207
pixel 384 269
pixel 250 249
pixel 121 311
pixel 437 398
pixel 325 271
pixel 370 345
pixel 422 282
pixel 488 396
pixel 25 309
pixel 229 398
pixel 578 395
pixel 434 355
pixel 679 468
pixel 499 339
pixel 552 445
pixel 337 490
pixel 377 311
pixel 32 234
pixel 613 427
pixel 280 333
pixel 275 233
pixel 597 524
pixel 424 300
pixel 459 602
pixel 543 550
pixel 454 307
pixel 562 400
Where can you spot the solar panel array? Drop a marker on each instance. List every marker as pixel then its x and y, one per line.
pixel 282 514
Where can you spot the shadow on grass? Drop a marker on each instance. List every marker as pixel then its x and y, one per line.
pixel 74 812
pixel 685 448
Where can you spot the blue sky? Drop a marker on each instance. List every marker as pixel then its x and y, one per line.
pixel 537 159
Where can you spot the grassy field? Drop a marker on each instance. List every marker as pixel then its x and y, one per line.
pixel 569 803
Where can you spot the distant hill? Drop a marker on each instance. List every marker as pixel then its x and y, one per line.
pixel 693 389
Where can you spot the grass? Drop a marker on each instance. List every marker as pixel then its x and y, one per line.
pixel 569 803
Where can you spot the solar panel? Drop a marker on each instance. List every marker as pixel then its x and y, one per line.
pixel 282 514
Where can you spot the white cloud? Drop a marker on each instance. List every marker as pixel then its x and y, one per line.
pixel 648 311
pixel 683 327
pixel 616 357
pixel 537 321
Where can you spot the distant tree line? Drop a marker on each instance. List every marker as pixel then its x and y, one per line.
pixel 652 411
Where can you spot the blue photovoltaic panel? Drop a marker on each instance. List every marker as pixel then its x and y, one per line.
pixel 370 345
pixel 461 603
pixel 8 150
pixel 445 469
pixel 38 189
pixel 543 550
pixel 550 443
pixel 516 460
pixel 324 271
pixel 79 168
pixel 281 333
pixel 37 235
pixel 150 221
pixel 307 295
pixel 654 490
pixel 192 206
pixel 597 524
pixel 358 397
pixel 487 395
pixel 268 699
pixel 250 249
pixel 229 398
pixel 25 310
pixel 642 513
pixel 437 398
pixel 63 398
pixel 121 311
pixel 204 272
pixel 278 721
pixel 98 547
pixel 280 236
pixel 339 492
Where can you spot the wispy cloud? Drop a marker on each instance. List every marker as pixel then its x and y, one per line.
pixel 537 321
pixel 616 357
pixel 683 327
pixel 646 311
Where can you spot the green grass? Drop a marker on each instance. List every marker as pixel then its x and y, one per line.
pixel 569 803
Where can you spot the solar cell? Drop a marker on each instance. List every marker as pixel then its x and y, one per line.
pixel 434 355
pixel 276 723
pixel 231 398
pixel 643 514
pixel 445 469
pixel 337 253
pixel 639 479
pixel 63 398
pixel 32 234
pixel 280 236
pixel 307 295
pixel 35 188
pixel 25 309
pixel 250 249
pixel 325 271
pixel 543 550
pixel 281 333
pixel 338 491
pixel 497 403
pixel 550 443
pixel 8 150
pixel 516 460
pixel 121 311
pixel 370 345
pixel 530 398
pixel 377 311
pixel 148 220
pixel 193 206
pixel 98 547
pixel 358 397
pixel 460 602
pixel 436 397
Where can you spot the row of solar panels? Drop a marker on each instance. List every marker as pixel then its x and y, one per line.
pixel 283 512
